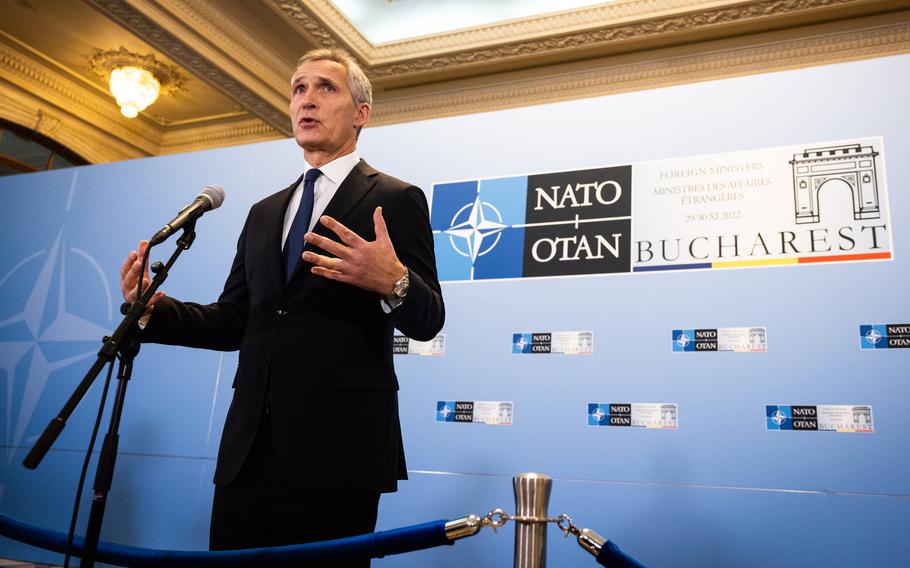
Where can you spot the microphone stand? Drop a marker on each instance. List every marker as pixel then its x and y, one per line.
pixel 125 343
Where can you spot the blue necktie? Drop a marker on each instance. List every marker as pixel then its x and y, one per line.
pixel 293 246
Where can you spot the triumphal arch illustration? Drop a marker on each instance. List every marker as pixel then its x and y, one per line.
pixel 852 164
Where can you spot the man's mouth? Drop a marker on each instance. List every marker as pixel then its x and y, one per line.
pixel 307 121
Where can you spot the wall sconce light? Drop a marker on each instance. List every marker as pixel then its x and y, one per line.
pixel 135 80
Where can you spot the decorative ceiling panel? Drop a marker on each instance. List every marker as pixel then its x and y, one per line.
pixel 237 57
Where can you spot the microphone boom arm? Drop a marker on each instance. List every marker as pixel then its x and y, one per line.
pixel 108 352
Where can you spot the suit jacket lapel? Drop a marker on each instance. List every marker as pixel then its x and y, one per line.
pixel 274 226
pixel 351 192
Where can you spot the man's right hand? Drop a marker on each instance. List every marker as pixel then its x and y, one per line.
pixel 129 277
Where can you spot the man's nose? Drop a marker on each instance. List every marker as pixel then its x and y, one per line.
pixel 306 99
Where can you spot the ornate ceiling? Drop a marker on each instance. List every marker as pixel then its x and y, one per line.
pixel 236 57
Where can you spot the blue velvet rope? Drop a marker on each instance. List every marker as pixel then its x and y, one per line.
pixel 374 545
pixel 612 557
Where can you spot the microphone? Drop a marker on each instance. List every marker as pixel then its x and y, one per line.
pixel 211 197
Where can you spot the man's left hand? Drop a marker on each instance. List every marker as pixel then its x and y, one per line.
pixel 365 264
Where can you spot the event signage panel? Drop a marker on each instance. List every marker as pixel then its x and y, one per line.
pixel 885 336
pixel 798 204
pixel 739 339
pixel 497 412
pixel 404 345
pixel 633 415
pixel 560 342
pixel 820 417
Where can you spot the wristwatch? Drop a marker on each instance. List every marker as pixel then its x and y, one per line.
pixel 399 291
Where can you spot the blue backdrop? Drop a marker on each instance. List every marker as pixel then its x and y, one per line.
pixel 721 490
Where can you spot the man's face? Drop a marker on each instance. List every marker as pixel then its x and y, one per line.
pixel 323 113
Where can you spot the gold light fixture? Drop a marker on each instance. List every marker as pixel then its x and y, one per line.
pixel 135 80
pixel 134 88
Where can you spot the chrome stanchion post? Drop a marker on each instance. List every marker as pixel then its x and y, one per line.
pixel 532 496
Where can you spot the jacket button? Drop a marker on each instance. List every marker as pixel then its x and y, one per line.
pixel 281 313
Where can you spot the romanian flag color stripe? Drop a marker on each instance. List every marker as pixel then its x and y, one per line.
pixel 840 257
pixel 769 262
pixel 671 267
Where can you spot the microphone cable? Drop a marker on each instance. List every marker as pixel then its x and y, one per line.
pixel 85 462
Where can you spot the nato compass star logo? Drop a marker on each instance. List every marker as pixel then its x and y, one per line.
pixel 778 417
pixel 45 334
pixel 873 336
pixel 683 340
pixel 479 227
pixel 521 343
pixel 445 411
pixel 596 414
pixel 475 230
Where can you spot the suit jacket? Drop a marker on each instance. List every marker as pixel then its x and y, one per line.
pixel 316 351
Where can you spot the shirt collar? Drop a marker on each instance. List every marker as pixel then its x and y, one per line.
pixel 337 169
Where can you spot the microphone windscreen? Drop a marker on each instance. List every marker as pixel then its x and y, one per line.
pixel 214 193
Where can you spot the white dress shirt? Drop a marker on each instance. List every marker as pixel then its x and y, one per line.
pixel 327 184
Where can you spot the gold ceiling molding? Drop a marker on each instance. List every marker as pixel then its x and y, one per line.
pixel 605 80
pixel 23 4
pixel 533 27
pixel 592 51
pixel 228 35
pixel 215 136
pixel 30 75
pixel 23 108
pixel 325 25
pixel 45 123
pixel 84 119
pixel 610 36
pixel 150 31
pixel 312 26
pixel 103 62
pixel 599 29
pixel 163 121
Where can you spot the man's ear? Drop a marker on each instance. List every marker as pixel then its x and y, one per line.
pixel 363 115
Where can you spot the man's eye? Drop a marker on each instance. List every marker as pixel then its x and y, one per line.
pixel 328 87
pixel 299 89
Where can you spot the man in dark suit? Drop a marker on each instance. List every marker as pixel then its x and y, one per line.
pixel 314 330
